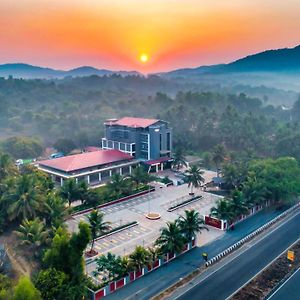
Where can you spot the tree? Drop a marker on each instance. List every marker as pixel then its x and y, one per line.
pixel 97 225
pixel 171 239
pixel 70 191
pixel 25 197
pixel 7 168
pixel 178 159
pixel 194 177
pixel 64 145
pixel 222 211
pixel 119 185
pixel 56 211
pixel 218 155
pixel 111 267
pixel 139 258
pixel 51 284
pixel 25 290
pixel 5 287
pixel 32 233
pixel 93 198
pixel 139 176
pixel 237 203
pixel 23 147
pixel 191 224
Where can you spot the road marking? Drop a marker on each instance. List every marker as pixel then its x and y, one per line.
pixel 239 254
pixel 263 268
pixel 282 285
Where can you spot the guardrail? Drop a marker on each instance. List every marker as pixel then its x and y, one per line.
pixel 250 236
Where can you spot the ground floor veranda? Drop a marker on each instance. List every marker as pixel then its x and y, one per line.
pixel 92 177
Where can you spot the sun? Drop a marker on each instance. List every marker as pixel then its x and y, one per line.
pixel 144 58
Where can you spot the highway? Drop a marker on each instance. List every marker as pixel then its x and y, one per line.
pixel 155 282
pixel 290 289
pixel 228 278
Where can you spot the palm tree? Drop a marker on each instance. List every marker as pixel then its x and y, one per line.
pixel 222 211
pixel 32 233
pixel 178 159
pixel 153 254
pixel 194 177
pixel 25 197
pixel 171 239
pixel 97 225
pixel 7 168
pixel 119 185
pixel 56 212
pixel 191 224
pixel 139 258
pixel 218 155
pixel 139 176
pixel 70 191
pixel 255 192
pixel 237 203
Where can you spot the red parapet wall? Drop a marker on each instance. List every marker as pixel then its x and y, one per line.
pixel 120 283
pixel 213 222
pixel 100 294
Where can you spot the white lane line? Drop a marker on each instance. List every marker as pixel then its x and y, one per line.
pixel 239 254
pixel 282 285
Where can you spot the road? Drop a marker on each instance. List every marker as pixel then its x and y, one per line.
pixel 229 277
pixel 290 289
pixel 155 282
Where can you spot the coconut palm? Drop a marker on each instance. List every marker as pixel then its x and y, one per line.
pixel 139 176
pixel 178 159
pixel 97 225
pixel 191 224
pixel 237 203
pixel 119 185
pixel 154 253
pixel 7 168
pixel 171 239
pixel 56 211
pixel 139 258
pixel 32 233
pixel 70 191
pixel 25 198
pixel 222 211
pixel 194 177
pixel 218 155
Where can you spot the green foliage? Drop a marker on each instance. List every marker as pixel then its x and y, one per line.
pixel 71 191
pixel 171 239
pixel 97 225
pixel 51 284
pixel 139 258
pixel 23 147
pixel 194 177
pixel 190 224
pixel 32 233
pixel 25 290
pixel 178 159
pixel 5 287
pixel 64 145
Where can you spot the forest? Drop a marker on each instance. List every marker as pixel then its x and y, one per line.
pixel 39 113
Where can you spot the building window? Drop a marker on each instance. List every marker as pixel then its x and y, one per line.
pixel 160 141
pixel 144 146
pixel 133 148
pixel 169 141
pixel 128 147
pixel 144 138
pixel 116 145
pixel 144 155
pixel 122 147
pixel 104 143
pixel 109 144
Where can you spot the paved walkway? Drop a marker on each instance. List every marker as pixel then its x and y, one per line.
pixel 154 282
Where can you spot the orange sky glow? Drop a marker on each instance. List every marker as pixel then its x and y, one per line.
pixel 113 34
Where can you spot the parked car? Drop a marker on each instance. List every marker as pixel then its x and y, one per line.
pixel 56 155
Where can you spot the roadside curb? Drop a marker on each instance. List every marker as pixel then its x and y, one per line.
pixel 250 236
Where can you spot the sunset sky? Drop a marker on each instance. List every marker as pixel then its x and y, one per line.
pixel 113 34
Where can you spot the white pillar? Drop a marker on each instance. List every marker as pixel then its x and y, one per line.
pixel 76 179
pixel 88 179
pixel 156 168
pixel 61 181
pixel 121 171
pixel 110 173
pixel 162 166
pixel 99 176
pixel 130 169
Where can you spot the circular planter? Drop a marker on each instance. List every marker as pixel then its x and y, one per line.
pixel 153 216
pixel 91 253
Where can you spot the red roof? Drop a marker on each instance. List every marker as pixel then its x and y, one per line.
pixel 157 161
pixel 85 160
pixel 132 122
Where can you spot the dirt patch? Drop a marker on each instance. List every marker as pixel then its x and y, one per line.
pixel 267 280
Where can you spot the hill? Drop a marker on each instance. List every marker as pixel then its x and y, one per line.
pixel 26 71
